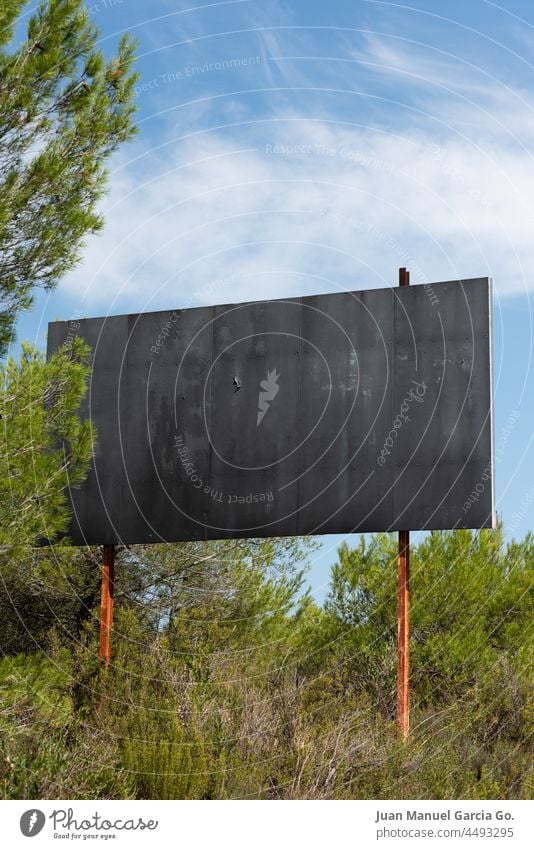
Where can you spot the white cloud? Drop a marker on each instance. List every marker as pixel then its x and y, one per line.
pixel 292 200
pixel 290 205
pixel 460 92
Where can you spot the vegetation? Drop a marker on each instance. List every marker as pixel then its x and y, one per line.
pixel 63 110
pixel 229 681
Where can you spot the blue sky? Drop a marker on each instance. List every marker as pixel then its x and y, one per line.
pixel 301 147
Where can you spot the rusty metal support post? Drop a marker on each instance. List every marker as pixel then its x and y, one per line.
pixel 403 611
pixel 403 631
pixel 106 603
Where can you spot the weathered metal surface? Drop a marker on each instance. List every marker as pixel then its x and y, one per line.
pixel 356 411
pixel 403 635
pixel 403 610
pixel 107 593
pixel 442 351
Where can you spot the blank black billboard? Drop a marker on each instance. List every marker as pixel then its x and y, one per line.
pixel 354 411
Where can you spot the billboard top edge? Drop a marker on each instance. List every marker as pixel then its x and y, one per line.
pixel 355 292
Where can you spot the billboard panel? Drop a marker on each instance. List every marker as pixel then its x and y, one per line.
pixel 354 411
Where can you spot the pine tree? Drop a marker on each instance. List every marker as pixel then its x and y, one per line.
pixel 45 445
pixel 63 110
pixel 45 449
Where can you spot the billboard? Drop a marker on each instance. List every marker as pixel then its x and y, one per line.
pixel 353 411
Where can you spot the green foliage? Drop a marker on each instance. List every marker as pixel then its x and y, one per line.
pixel 46 750
pixel 63 110
pixel 45 445
pixel 45 448
pixel 228 681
